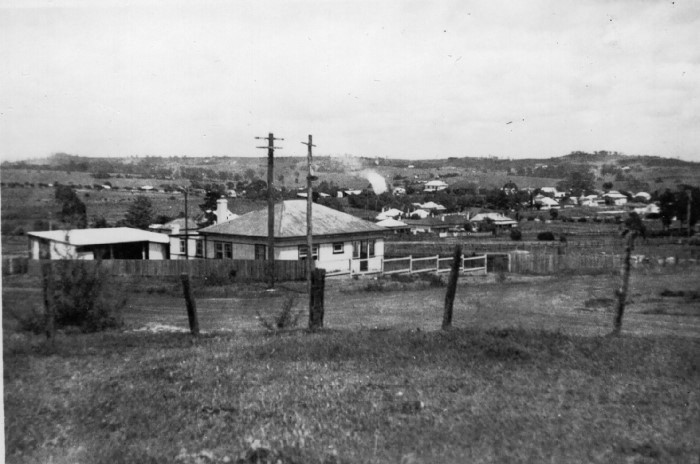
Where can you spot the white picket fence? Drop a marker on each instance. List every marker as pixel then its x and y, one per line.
pixel 411 265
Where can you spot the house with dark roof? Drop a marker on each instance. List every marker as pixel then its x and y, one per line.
pixel 341 242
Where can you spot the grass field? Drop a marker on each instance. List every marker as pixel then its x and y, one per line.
pixel 527 375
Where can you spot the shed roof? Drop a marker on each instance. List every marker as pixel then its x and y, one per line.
pixel 82 237
pixel 290 221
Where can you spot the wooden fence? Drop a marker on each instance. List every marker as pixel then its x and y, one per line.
pixel 553 263
pixel 237 269
pixel 411 265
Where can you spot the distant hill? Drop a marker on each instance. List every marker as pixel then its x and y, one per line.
pixel 625 172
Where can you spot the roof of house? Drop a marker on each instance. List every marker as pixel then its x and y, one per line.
pixel 290 221
pixel 546 200
pixel 497 218
pixel 391 223
pixel 390 213
pixel 191 223
pixel 442 221
pixel 105 236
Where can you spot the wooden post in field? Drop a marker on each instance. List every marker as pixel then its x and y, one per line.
pixel 318 284
pixel 191 305
pixel 48 288
pixel 451 288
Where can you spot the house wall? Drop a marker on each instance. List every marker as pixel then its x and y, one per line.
pixel 157 250
pixel 332 262
pixel 175 246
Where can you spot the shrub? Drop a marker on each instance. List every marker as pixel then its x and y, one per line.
pixel 285 319
pixel 545 236
pixel 515 234
pixel 85 298
pixel 434 280
pixel 34 322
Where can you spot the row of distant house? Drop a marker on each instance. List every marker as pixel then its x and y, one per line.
pixel 553 199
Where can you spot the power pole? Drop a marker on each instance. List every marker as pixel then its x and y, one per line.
pixel 690 200
pixel 309 227
pixel 270 204
pixel 187 236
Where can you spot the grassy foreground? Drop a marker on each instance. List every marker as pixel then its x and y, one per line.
pixel 409 396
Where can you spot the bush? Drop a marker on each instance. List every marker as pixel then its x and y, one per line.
pixel 34 322
pixel 85 298
pixel 434 280
pixel 545 236
pixel 515 234
pixel 286 319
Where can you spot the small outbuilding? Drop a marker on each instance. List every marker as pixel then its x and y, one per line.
pixel 107 243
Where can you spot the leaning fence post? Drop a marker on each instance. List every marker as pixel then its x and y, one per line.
pixel 318 284
pixel 48 287
pixel 191 305
pixel 451 289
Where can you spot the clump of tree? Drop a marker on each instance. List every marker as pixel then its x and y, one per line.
pixel 140 213
pixel 73 210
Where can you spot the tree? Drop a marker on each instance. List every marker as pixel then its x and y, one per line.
pixel 73 210
pixel 212 195
pixel 139 214
pixel 578 182
pixel 667 206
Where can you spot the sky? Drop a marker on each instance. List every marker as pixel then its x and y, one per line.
pixel 399 79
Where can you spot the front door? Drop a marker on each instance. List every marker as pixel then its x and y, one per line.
pixel 360 251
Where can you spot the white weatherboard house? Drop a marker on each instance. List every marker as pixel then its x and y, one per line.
pixel 435 186
pixel 107 243
pixel 341 242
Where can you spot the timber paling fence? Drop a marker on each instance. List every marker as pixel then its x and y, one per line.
pixel 234 269
pixel 544 262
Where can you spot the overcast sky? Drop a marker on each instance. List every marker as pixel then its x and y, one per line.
pixel 414 79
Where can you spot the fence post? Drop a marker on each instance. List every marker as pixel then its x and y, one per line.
pixel 48 288
pixel 451 289
pixel 410 264
pixel 318 284
pixel 191 305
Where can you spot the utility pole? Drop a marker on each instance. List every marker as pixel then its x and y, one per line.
pixel 187 234
pixel 309 227
pixel 270 204
pixel 690 200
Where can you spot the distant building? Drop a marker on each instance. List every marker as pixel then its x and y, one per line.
pixel 435 186
pixel 545 203
pixel 614 197
pixel 497 219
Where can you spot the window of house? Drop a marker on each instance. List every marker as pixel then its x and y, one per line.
pixel 228 251
pixel 303 252
pixel 199 248
pixel 219 250
pixel 356 245
pixel 182 245
pixel 370 246
pixel 338 248
pixel 260 252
